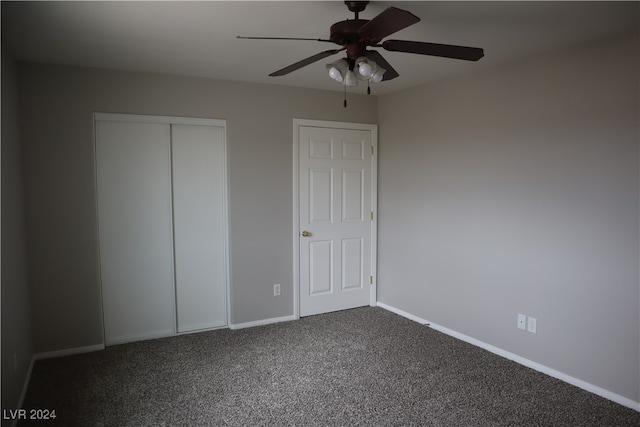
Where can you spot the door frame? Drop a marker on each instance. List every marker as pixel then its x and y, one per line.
pixel 297 124
pixel 172 120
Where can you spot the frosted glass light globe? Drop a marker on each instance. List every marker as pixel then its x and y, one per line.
pixel 335 74
pixel 350 79
pixel 377 77
pixel 365 69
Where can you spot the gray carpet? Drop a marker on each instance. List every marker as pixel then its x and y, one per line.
pixel 357 367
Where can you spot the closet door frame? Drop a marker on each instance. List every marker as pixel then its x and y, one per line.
pixel 173 120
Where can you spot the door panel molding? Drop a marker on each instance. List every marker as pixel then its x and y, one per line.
pixel 325 151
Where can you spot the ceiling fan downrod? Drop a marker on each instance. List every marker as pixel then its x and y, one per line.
pixel 356 7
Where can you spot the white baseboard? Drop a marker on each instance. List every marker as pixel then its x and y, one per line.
pixel 25 387
pixel 201 327
pixel 624 401
pixel 50 355
pixel 152 335
pixel 68 352
pixel 262 322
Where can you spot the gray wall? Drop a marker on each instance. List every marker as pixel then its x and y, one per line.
pixel 56 112
pixel 16 315
pixel 513 190
pixel 516 190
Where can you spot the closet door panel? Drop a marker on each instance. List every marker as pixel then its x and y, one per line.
pixel 135 230
pixel 199 226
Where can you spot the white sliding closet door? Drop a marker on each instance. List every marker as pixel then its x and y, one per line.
pixel 133 162
pixel 199 226
pixel 161 185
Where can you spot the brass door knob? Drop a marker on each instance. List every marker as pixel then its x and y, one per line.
pixel 305 233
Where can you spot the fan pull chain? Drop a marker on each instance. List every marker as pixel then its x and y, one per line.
pixel 345 96
pixel 368 87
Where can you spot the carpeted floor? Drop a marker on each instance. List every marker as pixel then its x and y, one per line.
pixel 361 367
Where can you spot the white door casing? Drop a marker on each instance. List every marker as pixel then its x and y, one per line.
pixel 162 220
pixel 334 212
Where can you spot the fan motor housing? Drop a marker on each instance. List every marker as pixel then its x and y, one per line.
pixel 345 33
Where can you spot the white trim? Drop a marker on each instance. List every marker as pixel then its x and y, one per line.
pixel 403 314
pixel 374 223
pixel 296 220
pixel 68 352
pixel 624 401
pixel 202 327
pixel 373 128
pixel 50 355
pixel 172 237
pixel 25 387
pixel 142 337
pixel 171 120
pixel 97 228
pixel 225 219
pixel 262 322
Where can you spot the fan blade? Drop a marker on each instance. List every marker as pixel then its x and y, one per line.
pixel 387 22
pixel 434 49
pixel 282 38
pixel 305 62
pixel 378 59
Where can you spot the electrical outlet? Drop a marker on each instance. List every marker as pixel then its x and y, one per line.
pixel 522 320
pixel 532 325
pixel 276 289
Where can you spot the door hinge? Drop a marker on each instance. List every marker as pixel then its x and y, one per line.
pixel 371 280
pixel 371 215
pixel 372 150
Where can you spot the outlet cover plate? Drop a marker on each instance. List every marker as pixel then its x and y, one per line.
pixel 522 321
pixel 276 290
pixel 532 325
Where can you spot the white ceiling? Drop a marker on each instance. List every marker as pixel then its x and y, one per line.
pixel 199 38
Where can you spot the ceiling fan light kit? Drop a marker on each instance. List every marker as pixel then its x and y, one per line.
pixel 369 70
pixel 356 35
pixel 338 70
pixel 364 69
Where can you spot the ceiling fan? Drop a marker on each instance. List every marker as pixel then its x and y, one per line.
pixel 356 35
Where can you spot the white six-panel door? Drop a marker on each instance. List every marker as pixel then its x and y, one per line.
pixel 335 218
